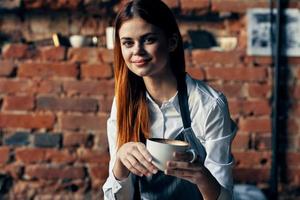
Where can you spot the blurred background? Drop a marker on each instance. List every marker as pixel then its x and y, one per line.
pixel 56 90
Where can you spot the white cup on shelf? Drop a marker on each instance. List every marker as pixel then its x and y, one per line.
pixel 77 41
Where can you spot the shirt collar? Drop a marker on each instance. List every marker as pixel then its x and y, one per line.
pixel 173 101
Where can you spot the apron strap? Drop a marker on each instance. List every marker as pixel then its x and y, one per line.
pixel 183 103
pixel 186 120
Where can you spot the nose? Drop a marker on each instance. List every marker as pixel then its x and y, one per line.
pixel 138 49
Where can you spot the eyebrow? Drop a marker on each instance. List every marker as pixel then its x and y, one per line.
pixel 143 36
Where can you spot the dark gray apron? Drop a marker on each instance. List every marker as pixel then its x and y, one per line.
pixel 163 187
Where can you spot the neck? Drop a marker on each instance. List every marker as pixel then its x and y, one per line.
pixel 161 88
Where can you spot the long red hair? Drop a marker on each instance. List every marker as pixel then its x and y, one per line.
pixel 130 91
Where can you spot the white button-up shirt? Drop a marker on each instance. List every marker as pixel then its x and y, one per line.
pixel 211 124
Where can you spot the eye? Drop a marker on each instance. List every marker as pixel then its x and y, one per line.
pixel 127 43
pixel 150 40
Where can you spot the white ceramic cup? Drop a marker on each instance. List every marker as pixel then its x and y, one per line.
pixel 78 41
pixel 162 150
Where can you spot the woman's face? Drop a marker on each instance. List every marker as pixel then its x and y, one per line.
pixel 144 47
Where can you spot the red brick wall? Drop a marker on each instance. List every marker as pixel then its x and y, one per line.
pixel 54 102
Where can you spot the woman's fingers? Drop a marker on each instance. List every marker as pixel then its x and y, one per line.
pixel 146 158
pixel 135 165
pixel 142 149
pixel 183 165
pixel 137 159
pixel 131 168
pixel 184 174
pixel 143 161
pixel 183 156
pixel 192 172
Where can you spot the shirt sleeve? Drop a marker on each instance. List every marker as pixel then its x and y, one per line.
pixel 219 133
pixel 113 188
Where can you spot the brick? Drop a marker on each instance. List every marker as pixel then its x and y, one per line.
pixel 96 71
pixel 292 126
pixel 15 86
pixel 105 104
pixel 72 5
pixel 238 25
pixel 106 55
pixel 50 53
pixel 292 177
pixel 235 106
pixel 296 92
pixel 251 175
pixel 103 87
pixel 295 109
pixel 293 60
pixel 197 73
pixel 255 125
pixel 5 154
pixel 298 73
pixel 15 170
pixel 262 142
pixel 27 121
pixel 93 156
pixel 48 87
pixel 75 139
pixel 60 156
pixel 18 103
pixel 259 60
pixel 38 25
pixel 98 171
pixel 30 155
pixel 90 26
pixel 194 4
pixel 259 90
pixel 47 140
pixel 250 107
pixel 236 73
pixel 55 5
pixel 241 142
pixel 293 159
pixel 242 38
pixel 101 141
pixel 288 143
pixel 67 104
pixel 261 159
pixel 54 172
pixel 84 122
pixel 202 57
pixel 24 189
pixel 10 23
pixel 229 89
pixel 90 55
pixel 17 139
pixel 7 68
pixel 17 51
pixel 71 195
pixel 239 6
pixel 30 70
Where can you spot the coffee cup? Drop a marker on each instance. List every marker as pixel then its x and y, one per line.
pixel 78 41
pixel 162 150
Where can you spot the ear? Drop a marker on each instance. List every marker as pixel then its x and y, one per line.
pixel 173 42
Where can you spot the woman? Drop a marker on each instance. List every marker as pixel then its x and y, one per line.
pixel 150 86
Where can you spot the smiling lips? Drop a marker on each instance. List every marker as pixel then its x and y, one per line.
pixel 141 61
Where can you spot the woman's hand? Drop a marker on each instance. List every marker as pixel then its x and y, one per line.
pixel 133 157
pixel 195 173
